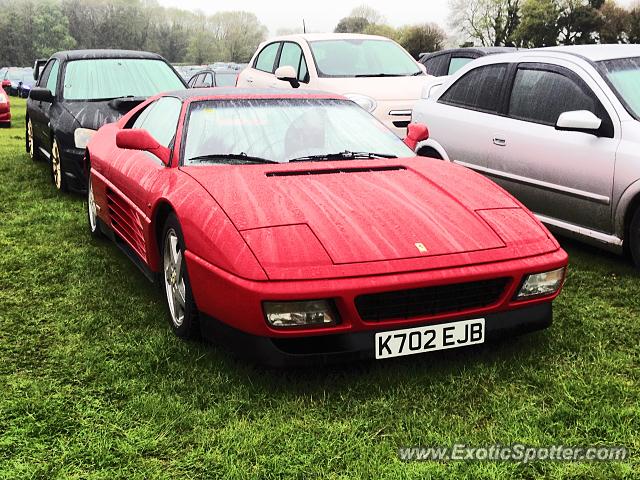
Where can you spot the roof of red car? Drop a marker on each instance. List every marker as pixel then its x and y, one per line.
pixel 248 93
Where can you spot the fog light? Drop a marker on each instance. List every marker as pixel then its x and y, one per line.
pixel 314 313
pixel 541 284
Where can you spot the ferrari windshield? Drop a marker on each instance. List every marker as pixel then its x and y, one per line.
pixel 107 78
pixel 283 130
pixel 362 58
pixel 624 75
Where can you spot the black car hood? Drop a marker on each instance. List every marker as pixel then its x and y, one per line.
pixel 93 115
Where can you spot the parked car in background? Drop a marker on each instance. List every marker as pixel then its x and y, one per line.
pixel 23 84
pixel 78 92
pixel 297 228
pixel 5 110
pixel 375 72
pixel 448 62
pixel 187 71
pixel 557 127
pixel 12 77
pixel 214 78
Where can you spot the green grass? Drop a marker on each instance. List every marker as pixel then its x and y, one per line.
pixel 94 385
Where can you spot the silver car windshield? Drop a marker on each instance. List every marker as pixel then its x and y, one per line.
pixel 362 58
pixel 281 130
pixel 105 78
pixel 624 75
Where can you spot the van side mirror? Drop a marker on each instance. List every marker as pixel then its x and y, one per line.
pixel 141 140
pixel 287 73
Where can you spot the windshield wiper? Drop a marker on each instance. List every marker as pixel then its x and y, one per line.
pixel 379 75
pixel 346 155
pixel 232 158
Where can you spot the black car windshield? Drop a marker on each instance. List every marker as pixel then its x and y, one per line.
pixel 624 75
pixel 362 58
pixel 285 129
pixel 107 78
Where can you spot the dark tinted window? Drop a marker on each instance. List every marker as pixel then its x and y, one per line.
pixel 478 89
pixel 267 58
pixel 436 65
pixel 541 96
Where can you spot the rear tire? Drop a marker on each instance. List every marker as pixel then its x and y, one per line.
pixel 633 238
pixel 183 314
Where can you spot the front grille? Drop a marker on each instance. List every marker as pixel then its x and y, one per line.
pixel 429 301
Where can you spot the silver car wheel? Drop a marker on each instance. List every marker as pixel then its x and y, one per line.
pixel 173 278
pixel 91 206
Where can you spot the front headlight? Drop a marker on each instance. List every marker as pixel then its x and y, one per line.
pixel 314 313
pixel 541 284
pixel 82 136
pixel 368 103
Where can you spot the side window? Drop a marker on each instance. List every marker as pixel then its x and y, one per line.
pixel 292 55
pixel 208 80
pixel 303 74
pixel 52 80
pixel 436 65
pixel 44 76
pixel 267 58
pixel 457 63
pixel 478 89
pixel 199 80
pixel 160 119
pixel 192 82
pixel 540 96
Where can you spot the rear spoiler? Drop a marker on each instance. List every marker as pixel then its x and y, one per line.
pixel 37 65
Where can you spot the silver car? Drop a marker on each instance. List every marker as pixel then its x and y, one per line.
pixel 557 127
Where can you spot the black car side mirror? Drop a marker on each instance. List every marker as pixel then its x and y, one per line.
pixel 40 94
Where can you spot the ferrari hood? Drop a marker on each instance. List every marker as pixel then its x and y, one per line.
pixel 355 212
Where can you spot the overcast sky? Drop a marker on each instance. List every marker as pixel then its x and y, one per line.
pixel 321 15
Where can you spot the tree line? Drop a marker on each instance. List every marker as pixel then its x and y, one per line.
pixel 543 23
pixel 32 29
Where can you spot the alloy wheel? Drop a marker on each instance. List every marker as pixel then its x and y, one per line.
pixel 173 278
pixel 30 140
pixel 56 167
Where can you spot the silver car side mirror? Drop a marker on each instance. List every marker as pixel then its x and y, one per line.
pixel 578 121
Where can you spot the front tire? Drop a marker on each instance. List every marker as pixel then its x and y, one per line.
pixel 31 145
pixel 57 173
pixel 183 315
pixel 92 211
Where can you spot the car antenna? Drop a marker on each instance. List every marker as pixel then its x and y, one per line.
pixel 304 26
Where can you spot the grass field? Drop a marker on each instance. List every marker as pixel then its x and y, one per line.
pixel 93 383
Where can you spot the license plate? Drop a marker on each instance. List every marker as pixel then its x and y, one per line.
pixel 397 343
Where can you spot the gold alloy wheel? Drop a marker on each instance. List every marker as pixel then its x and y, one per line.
pixel 56 168
pixel 30 140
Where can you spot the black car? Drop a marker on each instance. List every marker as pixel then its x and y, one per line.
pixel 77 92
pixel 448 62
pixel 214 78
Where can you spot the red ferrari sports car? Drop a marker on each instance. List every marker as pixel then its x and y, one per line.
pixel 296 228
pixel 5 109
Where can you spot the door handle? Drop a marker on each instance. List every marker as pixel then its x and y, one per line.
pixel 501 142
pixel 249 80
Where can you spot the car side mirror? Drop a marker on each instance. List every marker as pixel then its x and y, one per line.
pixel 416 133
pixel 141 140
pixel 579 121
pixel 287 73
pixel 40 94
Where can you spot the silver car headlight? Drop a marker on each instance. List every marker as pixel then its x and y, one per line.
pixel 368 103
pixel 314 313
pixel 541 284
pixel 81 137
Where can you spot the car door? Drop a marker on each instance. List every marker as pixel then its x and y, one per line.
pixel 135 172
pixel 560 175
pixel 260 73
pixel 291 54
pixel 39 111
pixel 462 117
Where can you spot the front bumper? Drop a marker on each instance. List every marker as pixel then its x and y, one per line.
pixel 72 163
pixel 349 347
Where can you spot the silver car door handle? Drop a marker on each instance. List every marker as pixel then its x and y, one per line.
pixel 501 142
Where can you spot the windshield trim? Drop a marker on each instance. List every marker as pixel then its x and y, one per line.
pixel 321 74
pixel 603 73
pixel 63 73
